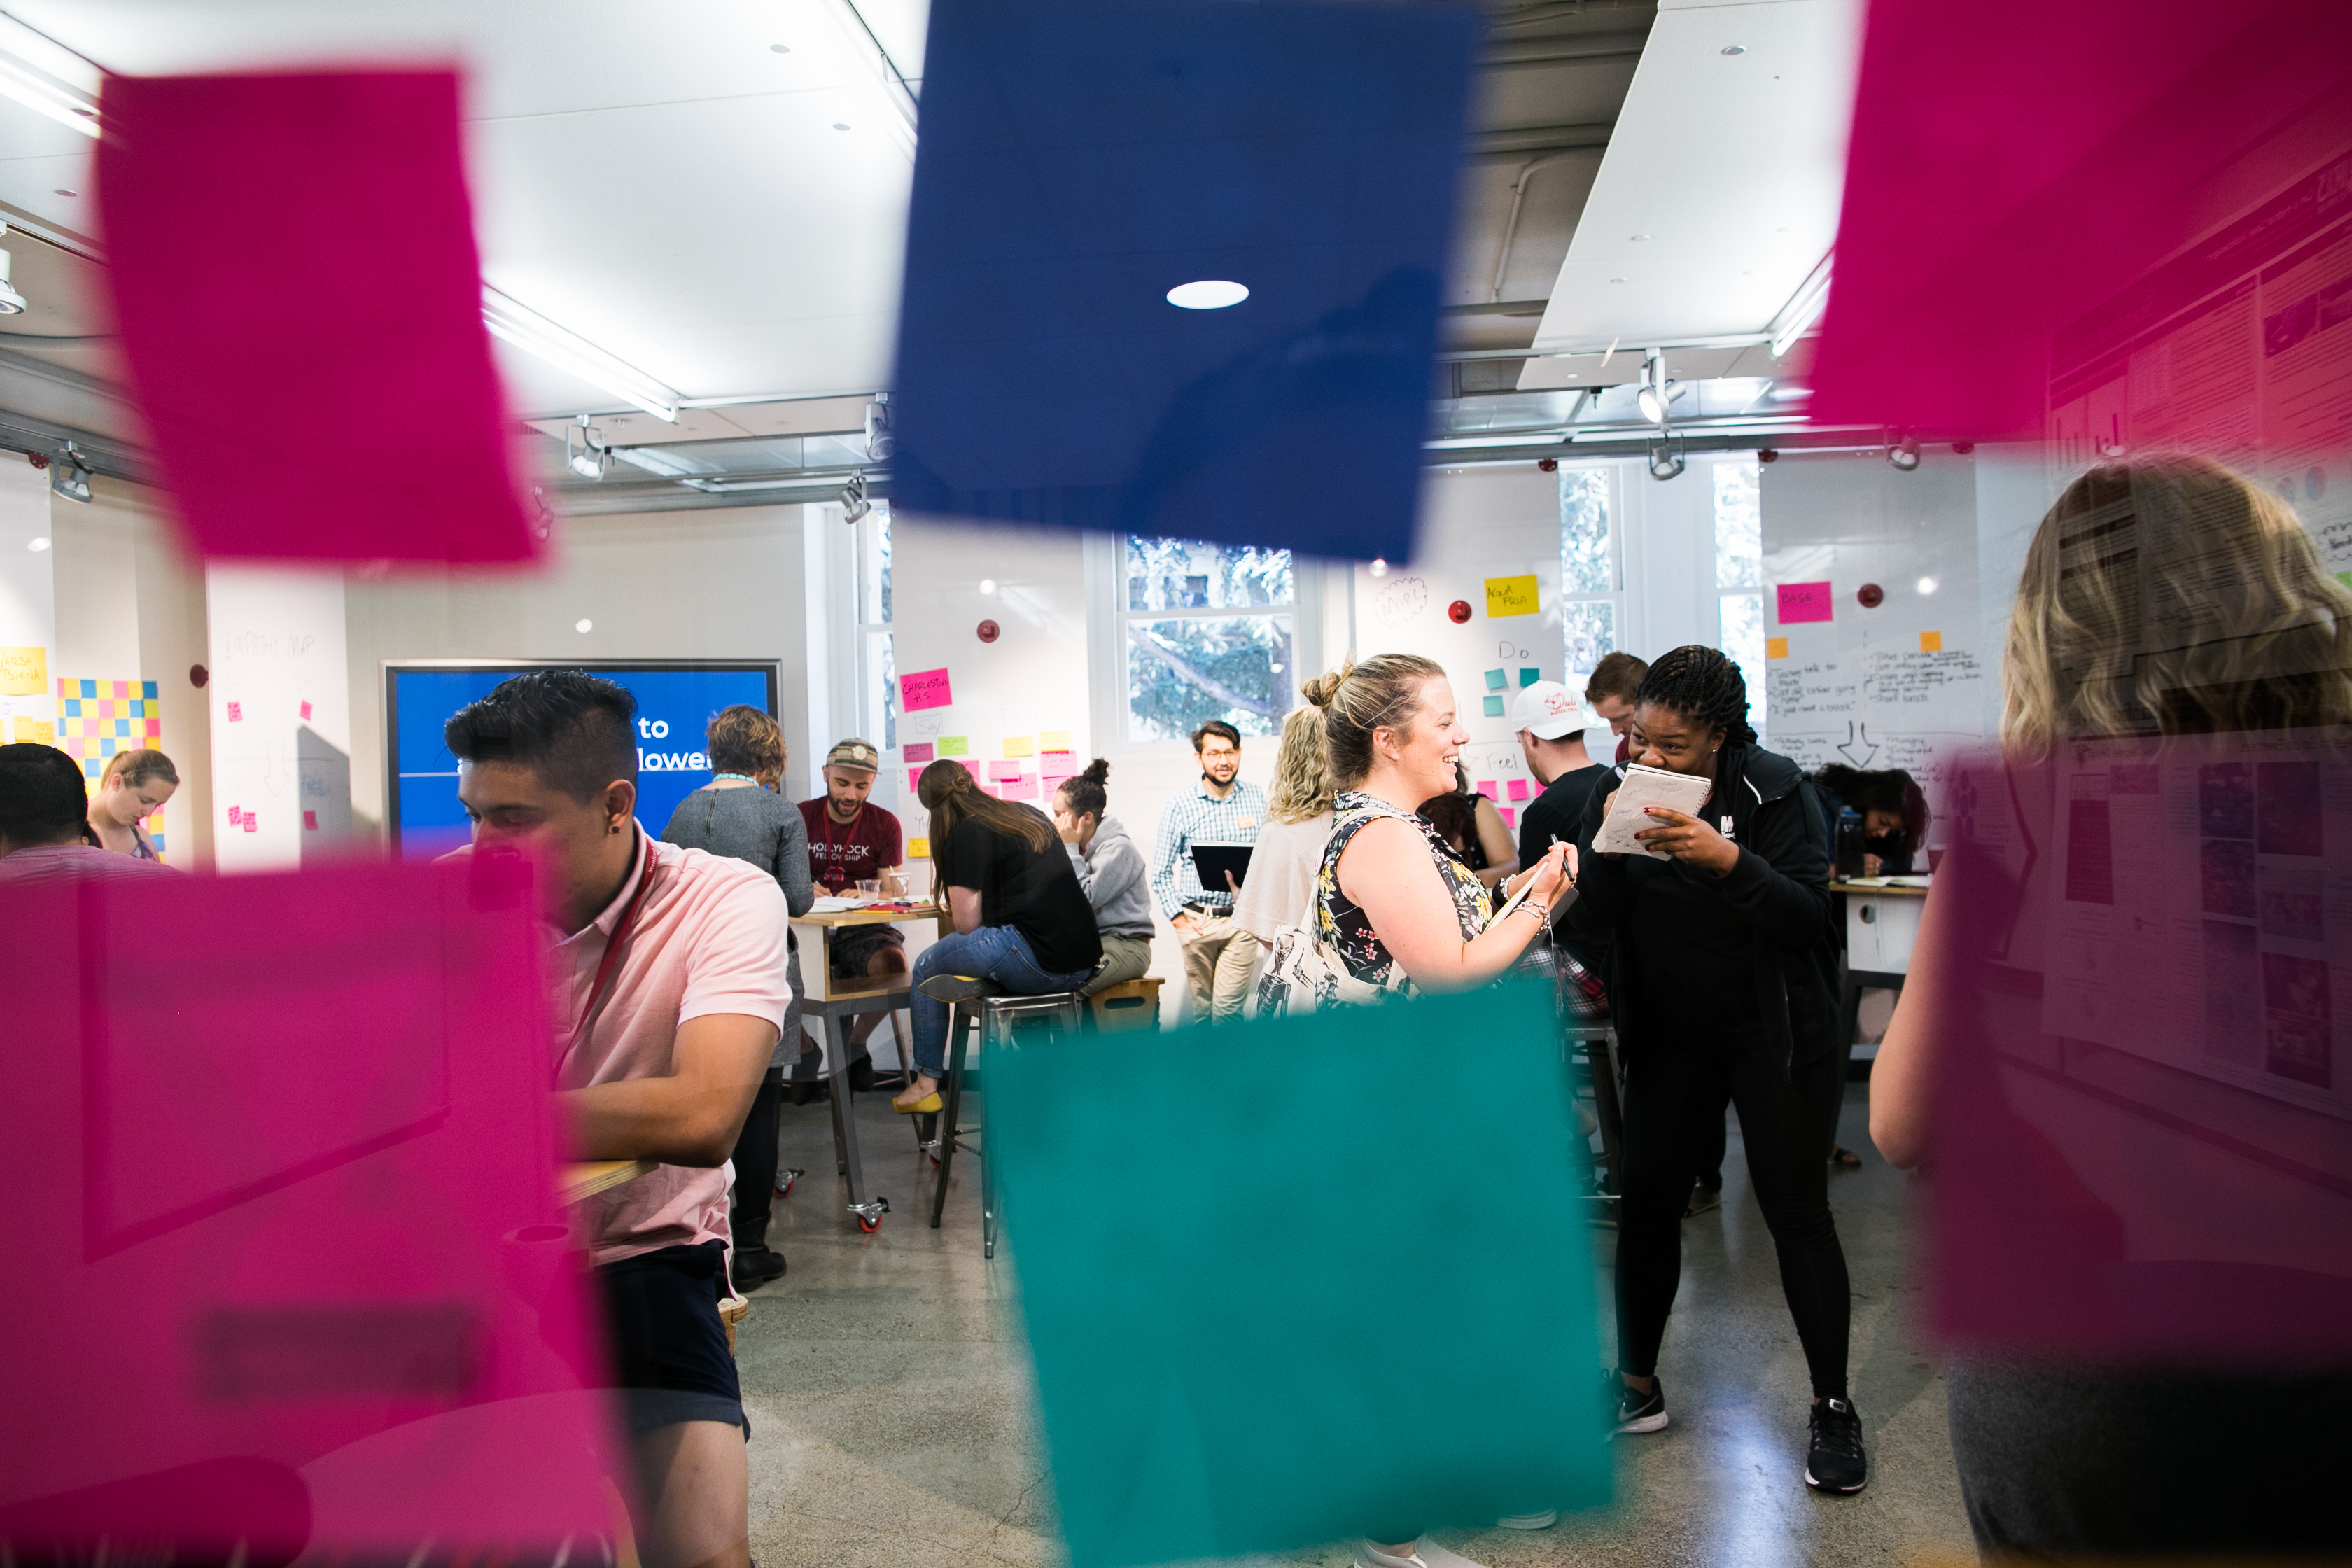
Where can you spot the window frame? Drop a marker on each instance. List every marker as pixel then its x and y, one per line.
pixel 1614 595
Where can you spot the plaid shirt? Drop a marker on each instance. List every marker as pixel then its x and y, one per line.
pixel 1198 815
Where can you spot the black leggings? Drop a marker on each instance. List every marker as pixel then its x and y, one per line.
pixel 756 1161
pixel 1672 1097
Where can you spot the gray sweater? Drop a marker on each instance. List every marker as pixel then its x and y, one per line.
pixel 1117 882
pixel 764 829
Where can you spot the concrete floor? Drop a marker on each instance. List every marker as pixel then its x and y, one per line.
pixel 892 1425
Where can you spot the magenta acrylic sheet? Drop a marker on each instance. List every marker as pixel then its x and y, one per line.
pixel 2015 168
pixel 1795 602
pixel 283 1157
pixel 313 369
pixel 2141 1070
pixel 925 688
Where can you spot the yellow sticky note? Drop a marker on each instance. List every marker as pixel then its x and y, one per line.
pixel 36 731
pixel 918 849
pixel 1054 741
pixel 24 671
pixel 1776 648
pixel 954 745
pixel 1931 642
pixel 1020 745
pixel 1511 595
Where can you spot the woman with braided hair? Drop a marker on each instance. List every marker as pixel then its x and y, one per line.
pixel 1724 989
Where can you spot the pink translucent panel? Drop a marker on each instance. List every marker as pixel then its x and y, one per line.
pixel 286 1257
pixel 292 260
pixel 2143 1095
pixel 2031 187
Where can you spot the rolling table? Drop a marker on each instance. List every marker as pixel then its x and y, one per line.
pixel 828 1002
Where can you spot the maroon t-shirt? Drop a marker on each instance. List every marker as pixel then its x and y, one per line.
pixel 843 854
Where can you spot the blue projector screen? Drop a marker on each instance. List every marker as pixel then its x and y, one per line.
pixel 674 700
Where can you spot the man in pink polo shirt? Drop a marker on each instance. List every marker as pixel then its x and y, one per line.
pixel 669 992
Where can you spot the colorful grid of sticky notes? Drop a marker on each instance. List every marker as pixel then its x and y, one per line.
pixel 1511 595
pixel 1518 789
pixel 954 745
pixel 1796 602
pixel 1931 642
pixel 1530 677
pixel 1776 648
pixel 920 752
pixel 97 719
pixel 1020 745
pixel 1494 707
pixel 1497 678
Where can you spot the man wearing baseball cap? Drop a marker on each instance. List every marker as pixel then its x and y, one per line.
pixel 1551 723
pixel 852 840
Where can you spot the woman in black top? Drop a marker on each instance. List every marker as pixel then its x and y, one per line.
pixel 1724 987
pixel 1020 919
pixel 1893 812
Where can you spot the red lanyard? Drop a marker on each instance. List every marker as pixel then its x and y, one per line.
pixel 622 930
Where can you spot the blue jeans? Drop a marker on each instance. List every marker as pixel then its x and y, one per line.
pixel 992 952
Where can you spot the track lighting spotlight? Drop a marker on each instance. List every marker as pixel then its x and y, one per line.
pixel 1666 457
pixel 69 476
pixel 853 504
pixel 881 441
pixel 1657 393
pixel 1904 454
pixel 11 302
pixel 584 452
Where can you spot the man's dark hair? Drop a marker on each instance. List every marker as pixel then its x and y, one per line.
pixel 1617 675
pixel 1704 687
pixel 570 728
pixel 42 800
pixel 1217 727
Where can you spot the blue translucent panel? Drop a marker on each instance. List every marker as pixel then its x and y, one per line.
pixel 1306 1320
pixel 1079 159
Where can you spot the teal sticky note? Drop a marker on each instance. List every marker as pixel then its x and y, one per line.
pixel 1496 680
pixel 1222 1342
pixel 1530 677
pixel 1494 708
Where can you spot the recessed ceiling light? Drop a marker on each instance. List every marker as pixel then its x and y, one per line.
pixel 583 625
pixel 1379 568
pixel 1783 230
pixel 37 546
pixel 839 125
pixel 780 49
pixel 1208 294
pixel 988 585
pixel 1926 584
pixel 1640 237
pixel 63 191
pixel 1616 280
pixel 1735 48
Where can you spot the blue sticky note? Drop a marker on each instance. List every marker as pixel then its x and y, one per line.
pixel 1220 1352
pixel 1494 707
pixel 1078 162
pixel 1495 680
pixel 1530 677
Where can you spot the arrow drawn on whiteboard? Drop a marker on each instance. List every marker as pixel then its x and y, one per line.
pixel 1869 748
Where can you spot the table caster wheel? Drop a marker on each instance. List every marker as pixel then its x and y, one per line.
pixel 869 1226
pixel 786 1180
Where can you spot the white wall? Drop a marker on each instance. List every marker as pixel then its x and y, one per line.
pixel 281 716
pixel 28 617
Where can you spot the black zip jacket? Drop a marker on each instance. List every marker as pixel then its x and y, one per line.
pixel 1780 884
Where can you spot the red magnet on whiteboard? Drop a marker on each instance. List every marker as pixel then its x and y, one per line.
pixel 988 631
pixel 1871 595
pixel 1459 612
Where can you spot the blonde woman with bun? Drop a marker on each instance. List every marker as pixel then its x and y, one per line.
pixel 134 787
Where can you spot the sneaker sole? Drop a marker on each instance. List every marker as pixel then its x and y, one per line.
pixel 1646 1424
pixel 1835 1491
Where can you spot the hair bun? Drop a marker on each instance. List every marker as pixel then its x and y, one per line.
pixel 1321 689
pixel 1096 772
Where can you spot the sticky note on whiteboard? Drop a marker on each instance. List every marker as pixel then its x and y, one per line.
pixel 37 732
pixel 1054 741
pixel 1511 595
pixel 914 779
pixel 954 745
pixel 925 688
pixel 1776 648
pixel 1518 789
pixel 920 752
pixel 918 849
pixel 1494 708
pixel 1931 642
pixel 1796 602
pixel 1488 788
pixel 1510 817
pixel 1020 745
pixel 24 671
pixel 1000 772
pixel 1497 680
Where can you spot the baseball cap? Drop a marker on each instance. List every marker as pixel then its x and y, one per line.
pixel 1550 711
pixel 854 755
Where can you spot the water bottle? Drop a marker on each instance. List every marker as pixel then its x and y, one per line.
pixel 1849 844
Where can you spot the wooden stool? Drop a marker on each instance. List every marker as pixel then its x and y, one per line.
pixel 1129 1004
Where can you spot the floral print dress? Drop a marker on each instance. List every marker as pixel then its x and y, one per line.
pixel 1344 928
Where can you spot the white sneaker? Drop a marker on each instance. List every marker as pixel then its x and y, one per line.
pixel 1543 1521
pixel 1426 1554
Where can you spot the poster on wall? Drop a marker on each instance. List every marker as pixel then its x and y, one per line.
pixel 97 719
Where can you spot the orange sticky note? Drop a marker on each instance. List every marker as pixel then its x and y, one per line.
pixel 1931 642
pixel 1776 648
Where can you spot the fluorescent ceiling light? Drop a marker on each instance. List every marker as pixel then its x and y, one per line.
pixel 535 335
pixel 1803 309
pixel 46 77
pixel 1208 294
pixel 880 73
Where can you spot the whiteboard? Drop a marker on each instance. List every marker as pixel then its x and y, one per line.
pixel 1898 685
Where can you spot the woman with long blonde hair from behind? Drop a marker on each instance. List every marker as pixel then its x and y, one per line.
pixel 1280 889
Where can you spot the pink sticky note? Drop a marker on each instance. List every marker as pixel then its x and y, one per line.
pixel 1510 816
pixel 309 312
pixel 306 709
pixel 920 752
pixel 1021 786
pixel 1488 788
pixel 236 815
pixel 1518 788
pixel 925 688
pixel 251 823
pixel 1000 772
pixel 971 765
pixel 237 712
pixel 310 822
pixel 914 778
pixel 1801 602
pixel 443 1386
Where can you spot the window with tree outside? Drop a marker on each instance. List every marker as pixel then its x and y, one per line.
pixel 1208 632
pixel 1739 575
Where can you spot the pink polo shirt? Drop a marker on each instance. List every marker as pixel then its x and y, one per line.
pixel 709 938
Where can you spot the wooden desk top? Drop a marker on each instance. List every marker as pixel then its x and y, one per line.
pixel 581 1179
pixel 1879 890
pixel 886 914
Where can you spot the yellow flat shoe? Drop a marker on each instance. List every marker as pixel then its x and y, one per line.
pixel 923 1106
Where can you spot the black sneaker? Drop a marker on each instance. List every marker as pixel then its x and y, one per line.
pixel 1703 1198
pixel 1834 1461
pixel 755 1266
pixel 1636 1411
